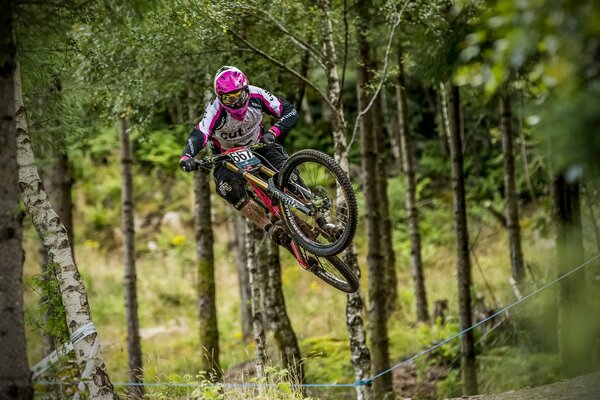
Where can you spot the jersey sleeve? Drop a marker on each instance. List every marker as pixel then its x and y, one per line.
pixel 201 133
pixel 278 107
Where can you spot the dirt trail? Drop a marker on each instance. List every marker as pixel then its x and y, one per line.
pixel 586 387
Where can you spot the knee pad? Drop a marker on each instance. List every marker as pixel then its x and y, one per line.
pixel 233 192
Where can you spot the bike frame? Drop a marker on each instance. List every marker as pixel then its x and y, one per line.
pixel 264 190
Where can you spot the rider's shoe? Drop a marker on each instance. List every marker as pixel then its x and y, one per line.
pixel 278 234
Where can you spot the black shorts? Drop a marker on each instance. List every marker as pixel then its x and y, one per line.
pixel 231 186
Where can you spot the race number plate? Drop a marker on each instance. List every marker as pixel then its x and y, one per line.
pixel 244 158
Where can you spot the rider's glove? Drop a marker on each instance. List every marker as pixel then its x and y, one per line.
pixel 188 164
pixel 204 164
pixel 268 137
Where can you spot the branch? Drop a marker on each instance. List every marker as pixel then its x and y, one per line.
pixel 298 41
pixel 281 65
pixel 383 76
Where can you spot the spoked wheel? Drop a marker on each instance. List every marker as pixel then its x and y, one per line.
pixel 331 270
pixel 317 181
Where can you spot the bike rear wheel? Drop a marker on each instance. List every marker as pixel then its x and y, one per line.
pixel 316 180
pixel 330 269
pixel 333 271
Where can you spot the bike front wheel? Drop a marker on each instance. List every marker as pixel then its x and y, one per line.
pixel 317 181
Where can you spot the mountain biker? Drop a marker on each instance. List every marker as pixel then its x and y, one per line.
pixel 232 119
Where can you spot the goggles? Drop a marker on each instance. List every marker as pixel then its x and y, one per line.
pixel 236 99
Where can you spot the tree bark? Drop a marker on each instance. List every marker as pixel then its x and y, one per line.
pixel 54 234
pixel 134 347
pixel 59 183
pixel 278 319
pixel 360 353
pixel 392 125
pixel 451 110
pixel 510 192
pixel 207 308
pixel 412 212
pixel 15 376
pixel 258 328
pixel 378 293
pixel 238 227
pixel 573 313
pixel 338 121
pixel 354 308
pixel 387 233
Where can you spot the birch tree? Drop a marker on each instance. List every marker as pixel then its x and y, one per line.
pixel 15 377
pixel 361 355
pixel 83 333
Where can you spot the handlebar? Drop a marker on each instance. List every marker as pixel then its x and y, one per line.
pixel 208 162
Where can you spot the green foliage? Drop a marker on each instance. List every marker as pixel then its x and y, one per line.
pixel 544 48
pixel 327 359
pixel 160 149
pixel 451 386
pixel 50 316
pixel 505 368
pixel 274 385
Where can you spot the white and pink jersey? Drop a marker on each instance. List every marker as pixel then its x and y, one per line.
pixel 225 132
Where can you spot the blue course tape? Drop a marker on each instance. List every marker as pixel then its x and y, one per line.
pixel 364 381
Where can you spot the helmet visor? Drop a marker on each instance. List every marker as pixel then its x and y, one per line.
pixel 235 99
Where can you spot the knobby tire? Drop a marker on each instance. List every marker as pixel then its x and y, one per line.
pixel 313 246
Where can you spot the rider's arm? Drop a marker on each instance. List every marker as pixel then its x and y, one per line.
pixel 201 132
pixel 277 107
pixel 196 142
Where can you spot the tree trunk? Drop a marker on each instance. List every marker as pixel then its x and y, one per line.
pixel 238 234
pixel 15 376
pixel 451 110
pixel 361 355
pixel 392 125
pixel 354 308
pixel 207 309
pixel 338 122
pixel 573 314
pixel 278 318
pixel 412 212
pixel 59 183
pixel 79 320
pixel 256 298
pixel 134 348
pixel 510 192
pixel 387 245
pixel 382 387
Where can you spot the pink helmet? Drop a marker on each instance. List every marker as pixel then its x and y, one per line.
pixel 231 87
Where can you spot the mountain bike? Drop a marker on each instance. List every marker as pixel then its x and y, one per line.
pixel 313 197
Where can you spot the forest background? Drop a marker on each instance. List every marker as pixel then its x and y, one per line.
pixel 470 130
